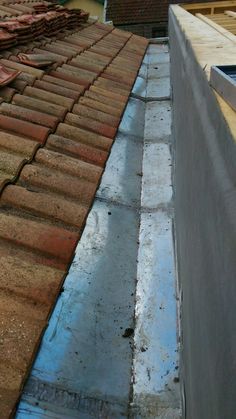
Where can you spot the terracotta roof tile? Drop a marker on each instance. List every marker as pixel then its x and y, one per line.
pixel 70 47
pixel 76 149
pixel 66 75
pixel 53 176
pixel 19 85
pixel 39 237
pixel 41 105
pixel 10 166
pixel 27 78
pixel 46 205
pixel 70 165
pixel 36 132
pixel 98 58
pixel 86 64
pixel 58 57
pixel 32 116
pixel 63 52
pixel 117 87
pixel 26 69
pixel 39 176
pixel 110 100
pixel 17 144
pixel 7 93
pixel 63 83
pixel 35 286
pixel 59 90
pixel 83 136
pixel 98 102
pixel 98 115
pixel 49 97
pixel 86 75
pixel 90 124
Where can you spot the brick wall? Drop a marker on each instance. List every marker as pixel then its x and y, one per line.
pixel 149 30
pixel 148 18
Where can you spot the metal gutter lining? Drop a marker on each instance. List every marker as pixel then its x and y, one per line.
pixel 122 273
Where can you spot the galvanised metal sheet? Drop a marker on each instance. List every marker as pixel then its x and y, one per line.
pixel 111 346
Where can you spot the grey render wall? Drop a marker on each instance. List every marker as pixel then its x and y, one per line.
pixel 205 200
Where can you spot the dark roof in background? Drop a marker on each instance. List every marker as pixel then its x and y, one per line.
pixel 57 126
pixel 123 12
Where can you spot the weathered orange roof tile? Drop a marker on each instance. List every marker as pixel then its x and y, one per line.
pixel 63 83
pixel 57 127
pixel 77 149
pixel 98 102
pixel 111 101
pixel 18 144
pixel 84 136
pixel 31 116
pixel 90 124
pixel 70 165
pixel 38 236
pixel 63 74
pixel 59 90
pixel 36 132
pixel 98 115
pixel 49 97
pixel 41 105
pixel 46 205
pixel 40 176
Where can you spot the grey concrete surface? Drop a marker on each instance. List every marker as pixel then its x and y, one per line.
pixel 205 207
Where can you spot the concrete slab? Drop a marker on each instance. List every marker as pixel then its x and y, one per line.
pixel 158 121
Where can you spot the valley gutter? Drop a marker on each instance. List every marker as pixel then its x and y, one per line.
pixel 110 349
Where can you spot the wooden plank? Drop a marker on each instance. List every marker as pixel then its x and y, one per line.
pixel 217 27
pixel 209 5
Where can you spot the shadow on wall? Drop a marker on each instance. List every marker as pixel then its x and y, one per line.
pixel 205 155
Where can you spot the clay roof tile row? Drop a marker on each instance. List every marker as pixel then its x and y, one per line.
pixel 57 127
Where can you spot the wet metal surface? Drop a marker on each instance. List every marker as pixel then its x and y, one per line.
pixel 159 70
pixel 94 310
pixel 158 121
pixel 156 156
pixel 133 120
pixel 110 349
pixel 155 357
pixel 120 168
pixel 155 365
pixel 140 88
pixel 158 89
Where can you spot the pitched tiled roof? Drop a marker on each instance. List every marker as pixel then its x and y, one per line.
pixel 57 127
pixel 123 12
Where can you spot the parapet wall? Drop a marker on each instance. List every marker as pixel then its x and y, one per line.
pixel 205 203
